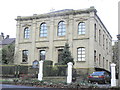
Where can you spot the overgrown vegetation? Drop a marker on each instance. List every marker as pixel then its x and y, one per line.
pixel 8 54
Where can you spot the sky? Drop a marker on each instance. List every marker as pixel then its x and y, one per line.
pixel 107 10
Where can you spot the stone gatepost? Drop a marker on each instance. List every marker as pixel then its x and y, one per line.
pixel 113 75
pixel 40 74
pixel 69 76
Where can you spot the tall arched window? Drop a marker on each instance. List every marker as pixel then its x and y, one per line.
pixel 61 28
pixel 81 28
pixel 26 32
pixel 43 30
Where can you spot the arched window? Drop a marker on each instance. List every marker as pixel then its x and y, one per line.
pixel 26 32
pixel 61 28
pixel 35 64
pixel 81 54
pixel 81 28
pixel 43 30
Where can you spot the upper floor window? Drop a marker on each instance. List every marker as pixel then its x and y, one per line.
pixel 43 30
pixel 61 28
pixel 99 36
pixel 103 41
pixel 81 54
pixel 26 32
pixel 81 28
pixel 95 32
pixel 25 56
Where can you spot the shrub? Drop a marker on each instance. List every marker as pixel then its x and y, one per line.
pixel 47 67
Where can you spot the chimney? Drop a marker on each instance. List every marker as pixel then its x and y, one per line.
pixel 2 34
pixel 7 37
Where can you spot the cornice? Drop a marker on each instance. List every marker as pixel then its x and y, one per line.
pixel 56 14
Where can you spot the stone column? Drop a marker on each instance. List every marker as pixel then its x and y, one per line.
pixel 113 76
pixel 40 74
pixel 69 76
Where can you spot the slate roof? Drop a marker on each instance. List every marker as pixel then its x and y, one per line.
pixel 7 41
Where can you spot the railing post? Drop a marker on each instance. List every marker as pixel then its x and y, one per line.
pixel 69 76
pixel 113 76
pixel 40 74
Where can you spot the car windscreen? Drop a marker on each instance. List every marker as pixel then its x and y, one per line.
pixel 98 73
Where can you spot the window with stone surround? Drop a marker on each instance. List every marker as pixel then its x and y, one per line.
pixel 81 28
pixel 81 54
pixel 43 30
pixel 25 56
pixel 61 28
pixel 99 36
pixel 26 33
pixel 95 32
pixel 42 54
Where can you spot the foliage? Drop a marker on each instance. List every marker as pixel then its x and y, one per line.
pixel 47 69
pixel 66 55
pixel 65 58
pixel 8 54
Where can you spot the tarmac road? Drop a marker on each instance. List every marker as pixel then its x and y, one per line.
pixel 15 86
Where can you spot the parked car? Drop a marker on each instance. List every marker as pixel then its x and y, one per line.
pixel 99 77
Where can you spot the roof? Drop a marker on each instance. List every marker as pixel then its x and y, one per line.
pixel 7 41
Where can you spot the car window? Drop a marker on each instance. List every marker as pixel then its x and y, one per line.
pixel 97 73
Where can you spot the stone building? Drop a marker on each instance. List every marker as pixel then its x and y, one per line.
pixel 42 37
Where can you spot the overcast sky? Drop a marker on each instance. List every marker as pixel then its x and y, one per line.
pixel 107 10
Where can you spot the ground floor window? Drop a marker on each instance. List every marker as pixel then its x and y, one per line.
pixel 60 55
pixel 42 54
pixel 25 56
pixel 81 54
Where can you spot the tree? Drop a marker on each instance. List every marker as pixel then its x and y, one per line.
pixel 8 54
pixel 66 55
pixel 65 58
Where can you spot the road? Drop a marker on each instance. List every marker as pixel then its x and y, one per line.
pixel 14 86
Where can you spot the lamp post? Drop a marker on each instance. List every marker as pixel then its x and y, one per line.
pixel 113 76
pixel 69 76
pixel 118 36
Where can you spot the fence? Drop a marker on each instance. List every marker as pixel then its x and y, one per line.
pixel 49 70
pixel 13 70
